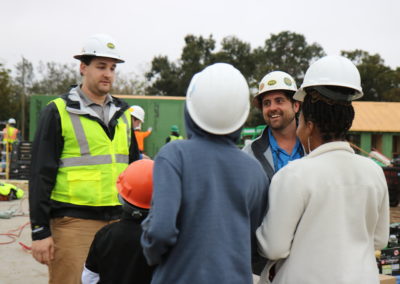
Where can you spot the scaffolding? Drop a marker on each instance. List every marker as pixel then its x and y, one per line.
pixel 5 160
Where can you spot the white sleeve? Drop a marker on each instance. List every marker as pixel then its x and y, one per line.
pixel 286 206
pixel 381 236
pixel 89 277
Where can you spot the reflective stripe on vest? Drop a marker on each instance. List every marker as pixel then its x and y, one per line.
pixel 90 162
pixel 173 137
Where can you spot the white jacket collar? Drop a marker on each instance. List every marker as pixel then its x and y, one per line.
pixel 329 147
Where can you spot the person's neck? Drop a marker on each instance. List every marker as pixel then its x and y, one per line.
pixel 286 138
pixel 316 139
pixel 96 98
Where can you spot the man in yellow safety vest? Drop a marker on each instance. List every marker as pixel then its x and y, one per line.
pixel 10 136
pixel 83 142
pixel 10 132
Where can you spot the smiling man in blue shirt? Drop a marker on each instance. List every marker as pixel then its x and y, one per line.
pixel 280 156
pixel 278 143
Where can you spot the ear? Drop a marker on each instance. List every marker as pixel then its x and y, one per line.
pixel 311 128
pixel 296 106
pixel 82 68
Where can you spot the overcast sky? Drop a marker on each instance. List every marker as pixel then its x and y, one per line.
pixel 54 30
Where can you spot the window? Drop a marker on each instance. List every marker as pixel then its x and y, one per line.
pixel 376 143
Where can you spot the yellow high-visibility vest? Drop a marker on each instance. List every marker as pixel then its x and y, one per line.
pixel 90 162
pixel 5 190
pixel 10 134
pixel 173 137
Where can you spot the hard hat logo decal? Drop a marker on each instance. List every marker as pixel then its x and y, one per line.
pixel 110 45
pixel 287 81
pixel 261 86
pixel 271 82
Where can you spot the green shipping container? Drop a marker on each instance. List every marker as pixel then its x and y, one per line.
pixel 161 113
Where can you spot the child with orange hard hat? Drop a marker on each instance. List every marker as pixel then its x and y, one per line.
pixel 115 255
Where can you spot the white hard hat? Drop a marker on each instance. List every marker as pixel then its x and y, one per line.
pixel 138 112
pixel 218 99
pixel 328 71
pixel 12 121
pixel 100 45
pixel 275 81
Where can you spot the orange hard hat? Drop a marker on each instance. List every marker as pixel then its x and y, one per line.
pixel 135 184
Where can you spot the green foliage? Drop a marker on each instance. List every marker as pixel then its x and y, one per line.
pixel 9 106
pixel 196 55
pixel 288 52
pixel 237 53
pixel 163 77
pixel 55 79
pixel 172 79
pixel 25 75
pixel 285 51
pixel 128 85
pixel 379 82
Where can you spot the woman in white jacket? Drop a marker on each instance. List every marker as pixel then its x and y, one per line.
pixel 329 211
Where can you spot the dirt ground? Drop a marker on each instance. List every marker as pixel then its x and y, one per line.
pixel 17 265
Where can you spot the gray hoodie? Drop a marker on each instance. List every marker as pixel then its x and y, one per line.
pixel 209 198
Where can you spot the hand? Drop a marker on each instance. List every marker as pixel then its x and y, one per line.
pixel 144 156
pixel 43 250
pixel 149 129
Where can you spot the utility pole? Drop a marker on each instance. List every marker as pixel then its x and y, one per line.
pixel 23 100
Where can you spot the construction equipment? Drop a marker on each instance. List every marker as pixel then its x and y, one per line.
pixel 392 175
pixel 20 161
pixel 249 134
pixel 5 160
pixel 391 170
pixel 375 155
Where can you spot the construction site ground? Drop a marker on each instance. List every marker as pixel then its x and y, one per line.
pixel 17 265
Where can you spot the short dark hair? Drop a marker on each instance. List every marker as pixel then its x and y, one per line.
pixel 288 94
pixel 333 118
pixel 87 59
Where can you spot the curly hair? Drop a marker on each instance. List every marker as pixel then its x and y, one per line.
pixel 333 118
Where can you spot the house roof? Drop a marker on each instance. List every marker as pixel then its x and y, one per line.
pixel 376 117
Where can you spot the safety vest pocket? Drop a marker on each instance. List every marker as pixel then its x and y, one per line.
pixel 84 187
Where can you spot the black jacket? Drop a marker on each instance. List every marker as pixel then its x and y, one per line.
pixel 116 254
pixel 46 151
pixel 259 147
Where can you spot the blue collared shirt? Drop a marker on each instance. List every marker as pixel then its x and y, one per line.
pixel 280 156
